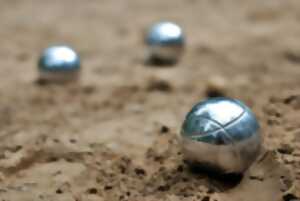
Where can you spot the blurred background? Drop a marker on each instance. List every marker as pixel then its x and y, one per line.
pixel 248 50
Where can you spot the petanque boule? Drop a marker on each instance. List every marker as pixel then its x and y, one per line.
pixel 221 135
pixel 59 64
pixel 165 41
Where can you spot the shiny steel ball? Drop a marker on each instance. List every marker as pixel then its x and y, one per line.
pixel 165 42
pixel 222 135
pixel 59 63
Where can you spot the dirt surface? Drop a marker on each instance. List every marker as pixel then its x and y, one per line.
pixel 114 135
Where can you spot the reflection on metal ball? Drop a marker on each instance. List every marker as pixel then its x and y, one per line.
pixel 59 63
pixel 222 135
pixel 165 42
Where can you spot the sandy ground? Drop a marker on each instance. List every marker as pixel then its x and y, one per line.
pixel 113 136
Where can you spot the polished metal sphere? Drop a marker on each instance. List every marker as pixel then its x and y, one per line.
pixel 59 63
pixel 222 135
pixel 165 42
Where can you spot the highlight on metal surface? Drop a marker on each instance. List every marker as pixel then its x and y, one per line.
pixel 59 63
pixel 165 42
pixel 221 134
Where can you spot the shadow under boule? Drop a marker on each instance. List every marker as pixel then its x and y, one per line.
pixel 218 176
